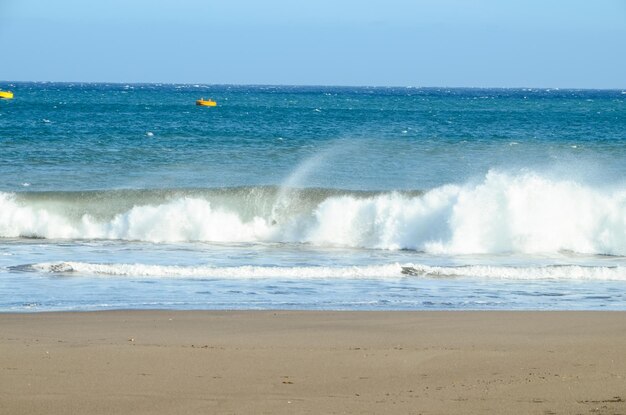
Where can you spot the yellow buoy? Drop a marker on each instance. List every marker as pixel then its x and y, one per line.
pixel 6 94
pixel 206 102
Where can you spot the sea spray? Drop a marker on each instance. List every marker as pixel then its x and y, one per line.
pixel 289 192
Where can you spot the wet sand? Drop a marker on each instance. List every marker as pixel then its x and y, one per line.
pixel 250 362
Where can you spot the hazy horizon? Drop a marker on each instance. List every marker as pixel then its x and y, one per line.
pixel 202 84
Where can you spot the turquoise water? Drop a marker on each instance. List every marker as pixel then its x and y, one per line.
pixel 130 196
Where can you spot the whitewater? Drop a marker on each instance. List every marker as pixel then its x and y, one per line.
pixel 311 197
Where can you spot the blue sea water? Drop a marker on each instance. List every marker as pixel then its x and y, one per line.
pixel 129 196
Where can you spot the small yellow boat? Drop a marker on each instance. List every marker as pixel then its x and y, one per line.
pixel 206 102
pixel 6 94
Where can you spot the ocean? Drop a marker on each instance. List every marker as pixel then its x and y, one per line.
pixel 129 196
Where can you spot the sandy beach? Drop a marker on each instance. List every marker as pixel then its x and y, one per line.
pixel 179 362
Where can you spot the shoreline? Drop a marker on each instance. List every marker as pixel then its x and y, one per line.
pixel 429 362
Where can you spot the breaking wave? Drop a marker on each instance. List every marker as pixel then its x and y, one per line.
pixel 503 213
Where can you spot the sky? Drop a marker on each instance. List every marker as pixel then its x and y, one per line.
pixel 445 43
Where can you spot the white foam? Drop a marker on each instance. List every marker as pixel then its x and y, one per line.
pixel 386 271
pixel 205 271
pixel 184 219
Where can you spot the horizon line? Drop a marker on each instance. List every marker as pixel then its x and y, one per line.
pixel 314 85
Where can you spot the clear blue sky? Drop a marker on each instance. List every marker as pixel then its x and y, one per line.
pixel 498 43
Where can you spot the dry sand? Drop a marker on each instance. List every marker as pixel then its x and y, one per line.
pixel 161 362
